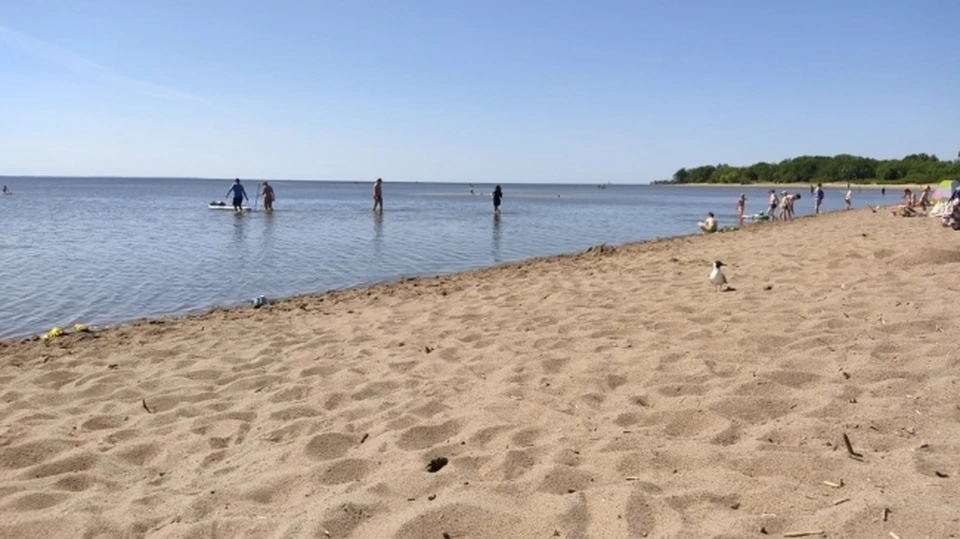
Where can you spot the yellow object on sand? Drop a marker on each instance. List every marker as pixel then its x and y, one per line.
pixel 55 332
pixel 77 328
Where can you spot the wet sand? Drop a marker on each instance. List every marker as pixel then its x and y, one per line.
pixel 611 393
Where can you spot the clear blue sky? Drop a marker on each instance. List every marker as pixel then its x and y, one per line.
pixel 493 90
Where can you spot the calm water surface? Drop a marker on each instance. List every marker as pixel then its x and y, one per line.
pixel 110 250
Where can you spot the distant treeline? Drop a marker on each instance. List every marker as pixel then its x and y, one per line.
pixel 916 168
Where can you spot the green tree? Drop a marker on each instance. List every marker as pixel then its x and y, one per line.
pixel 843 168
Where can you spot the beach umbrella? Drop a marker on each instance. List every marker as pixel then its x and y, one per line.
pixel 945 190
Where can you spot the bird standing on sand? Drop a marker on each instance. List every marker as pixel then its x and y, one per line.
pixel 717 277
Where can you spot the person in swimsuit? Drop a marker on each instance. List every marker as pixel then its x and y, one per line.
pixel 239 195
pixel 924 198
pixel 378 195
pixel 497 197
pixel 848 198
pixel 774 203
pixel 709 225
pixel 790 205
pixel 784 204
pixel 268 197
pixel 818 194
pixel 741 206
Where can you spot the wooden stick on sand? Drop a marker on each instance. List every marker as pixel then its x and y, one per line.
pixel 850 451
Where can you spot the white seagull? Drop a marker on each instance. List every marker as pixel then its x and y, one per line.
pixel 717 277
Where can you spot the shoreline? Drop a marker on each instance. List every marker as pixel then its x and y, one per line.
pixel 368 288
pixel 893 188
pixel 343 294
pixel 607 393
pixel 350 291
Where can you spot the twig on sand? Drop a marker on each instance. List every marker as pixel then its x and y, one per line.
pixel 834 485
pixel 886 513
pixel 803 534
pixel 850 451
pixel 145 407
pixel 841 500
pixel 895 536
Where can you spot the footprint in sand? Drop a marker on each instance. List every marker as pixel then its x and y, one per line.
pixel 331 445
pixel 426 436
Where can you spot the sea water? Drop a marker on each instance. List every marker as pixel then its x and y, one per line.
pixel 108 250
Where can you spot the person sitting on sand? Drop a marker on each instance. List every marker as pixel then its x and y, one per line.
pixel 709 225
pixel 909 199
pixel 951 215
pixel 907 208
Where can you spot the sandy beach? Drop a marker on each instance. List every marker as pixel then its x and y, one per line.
pixel 611 393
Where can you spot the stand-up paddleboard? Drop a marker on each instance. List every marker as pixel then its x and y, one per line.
pixel 224 206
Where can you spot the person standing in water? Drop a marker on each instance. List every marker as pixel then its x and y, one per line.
pixel 818 198
pixel 497 198
pixel 848 198
pixel 378 195
pixel 5 191
pixel 741 206
pixel 268 197
pixel 774 203
pixel 239 195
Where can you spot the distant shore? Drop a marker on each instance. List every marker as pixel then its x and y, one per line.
pixel 801 185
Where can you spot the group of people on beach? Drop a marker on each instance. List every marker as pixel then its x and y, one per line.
pixel 239 195
pixel 781 207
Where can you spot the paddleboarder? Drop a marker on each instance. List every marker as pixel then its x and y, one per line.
pixel 239 195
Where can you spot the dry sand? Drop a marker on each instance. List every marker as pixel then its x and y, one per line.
pixel 608 394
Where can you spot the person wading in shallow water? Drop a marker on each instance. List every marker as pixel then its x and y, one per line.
pixel 497 198
pixel 239 195
pixel 378 195
pixel 268 197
